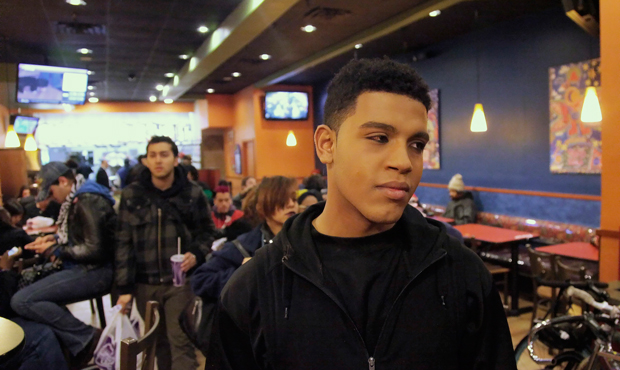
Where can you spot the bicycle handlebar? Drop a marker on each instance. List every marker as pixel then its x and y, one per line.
pixel 587 298
pixel 577 284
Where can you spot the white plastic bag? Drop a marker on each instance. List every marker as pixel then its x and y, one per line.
pixel 108 351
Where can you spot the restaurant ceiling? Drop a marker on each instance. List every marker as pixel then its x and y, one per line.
pixel 144 38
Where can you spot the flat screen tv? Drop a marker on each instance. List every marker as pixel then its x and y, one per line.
pixel 24 124
pixel 51 85
pixel 286 105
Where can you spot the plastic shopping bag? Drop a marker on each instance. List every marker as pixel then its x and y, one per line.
pixel 108 351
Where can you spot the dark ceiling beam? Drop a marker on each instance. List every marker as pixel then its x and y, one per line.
pixel 382 29
pixel 243 25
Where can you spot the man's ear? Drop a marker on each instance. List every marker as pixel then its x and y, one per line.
pixel 325 143
pixel 176 161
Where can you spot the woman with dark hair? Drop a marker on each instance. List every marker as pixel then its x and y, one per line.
pixel 10 235
pixel 275 203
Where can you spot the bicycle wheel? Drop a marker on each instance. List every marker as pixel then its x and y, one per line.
pixel 568 360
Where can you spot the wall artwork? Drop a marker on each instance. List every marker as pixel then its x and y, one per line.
pixel 431 151
pixel 575 146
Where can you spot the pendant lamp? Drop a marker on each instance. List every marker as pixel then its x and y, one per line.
pixel 478 120
pixel 30 145
pixel 11 140
pixel 290 139
pixel 591 110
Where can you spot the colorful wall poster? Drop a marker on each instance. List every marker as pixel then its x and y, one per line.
pixel 575 146
pixel 431 151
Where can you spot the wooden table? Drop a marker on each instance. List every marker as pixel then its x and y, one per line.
pixel 42 230
pixel 11 340
pixel 443 219
pixel 579 250
pixel 502 237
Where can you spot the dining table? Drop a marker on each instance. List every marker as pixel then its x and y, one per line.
pixel 443 219
pixel 499 237
pixel 11 339
pixel 577 250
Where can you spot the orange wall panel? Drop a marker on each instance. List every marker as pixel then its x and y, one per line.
pixel 610 107
pixel 221 110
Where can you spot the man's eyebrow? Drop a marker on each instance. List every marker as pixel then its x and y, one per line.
pixel 379 125
pixel 421 135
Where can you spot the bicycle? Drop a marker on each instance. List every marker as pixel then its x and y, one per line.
pixel 582 342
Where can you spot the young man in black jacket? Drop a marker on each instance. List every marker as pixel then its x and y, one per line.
pixel 363 280
pixel 154 212
pixel 85 244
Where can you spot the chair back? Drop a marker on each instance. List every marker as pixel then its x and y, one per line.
pixel 566 272
pixel 542 264
pixel 131 348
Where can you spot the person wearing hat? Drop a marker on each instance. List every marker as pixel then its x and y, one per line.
pixel 85 244
pixel 461 207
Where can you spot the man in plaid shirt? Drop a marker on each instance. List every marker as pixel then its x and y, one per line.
pixel 154 211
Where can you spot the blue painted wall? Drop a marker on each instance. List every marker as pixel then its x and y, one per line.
pixel 514 58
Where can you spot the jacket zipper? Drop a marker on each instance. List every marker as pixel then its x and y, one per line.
pixel 161 280
pixel 371 359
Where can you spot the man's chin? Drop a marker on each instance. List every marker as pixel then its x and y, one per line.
pixel 386 214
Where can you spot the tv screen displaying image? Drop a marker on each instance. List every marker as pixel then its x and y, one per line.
pixel 51 85
pixel 25 125
pixel 286 105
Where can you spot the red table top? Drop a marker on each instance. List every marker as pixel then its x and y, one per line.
pixel 581 250
pixel 491 234
pixel 443 219
pixel 43 230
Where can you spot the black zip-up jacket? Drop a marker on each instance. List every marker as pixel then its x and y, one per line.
pixel 147 231
pixel 276 313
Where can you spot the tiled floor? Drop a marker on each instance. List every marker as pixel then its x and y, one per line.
pixel 82 311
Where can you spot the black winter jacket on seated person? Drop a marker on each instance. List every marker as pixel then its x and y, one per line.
pixel 91 226
pixel 462 210
pixel 277 313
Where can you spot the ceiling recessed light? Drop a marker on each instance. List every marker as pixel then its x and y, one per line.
pixel 309 28
pixel 93 100
pixel 91 93
pixel 153 98
pixel 168 101
pixel 184 56
pixel 210 91
pixel 265 56
pixel 91 87
pixel 90 73
pixel 236 74
pixel 435 13
pixel 227 78
pixel 358 46
pixel 84 51
pixel 203 29
pixel 169 74
pixel 76 2
pixel 159 87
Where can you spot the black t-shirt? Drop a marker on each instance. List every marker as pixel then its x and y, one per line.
pixel 367 274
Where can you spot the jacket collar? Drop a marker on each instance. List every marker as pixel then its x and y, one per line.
pixel 425 238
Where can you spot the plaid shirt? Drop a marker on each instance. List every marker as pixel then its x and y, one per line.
pixel 147 234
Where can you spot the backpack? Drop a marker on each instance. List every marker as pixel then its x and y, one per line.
pixel 197 318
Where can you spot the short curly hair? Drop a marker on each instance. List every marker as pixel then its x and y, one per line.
pixel 364 75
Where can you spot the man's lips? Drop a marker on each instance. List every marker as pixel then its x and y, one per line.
pixel 395 190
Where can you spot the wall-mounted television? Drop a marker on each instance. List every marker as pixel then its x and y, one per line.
pixel 24 124
pixel 51 85
pixel 286 105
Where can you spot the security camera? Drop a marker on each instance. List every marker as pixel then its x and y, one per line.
pixel 131 77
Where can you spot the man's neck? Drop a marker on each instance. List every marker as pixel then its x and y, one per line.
pixel 341 219
pixel 163 183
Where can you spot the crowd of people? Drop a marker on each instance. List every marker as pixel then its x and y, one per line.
pixel 303 280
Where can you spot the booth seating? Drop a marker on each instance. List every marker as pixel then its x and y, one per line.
pixel 551 232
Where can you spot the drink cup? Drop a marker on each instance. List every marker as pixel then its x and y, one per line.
pixel 178 275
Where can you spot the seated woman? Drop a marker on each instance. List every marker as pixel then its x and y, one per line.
pixel 10 235
pixel 275 203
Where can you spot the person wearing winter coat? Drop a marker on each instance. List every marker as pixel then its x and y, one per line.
pixel 461 207
pixel 363 281
pixel 275 204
